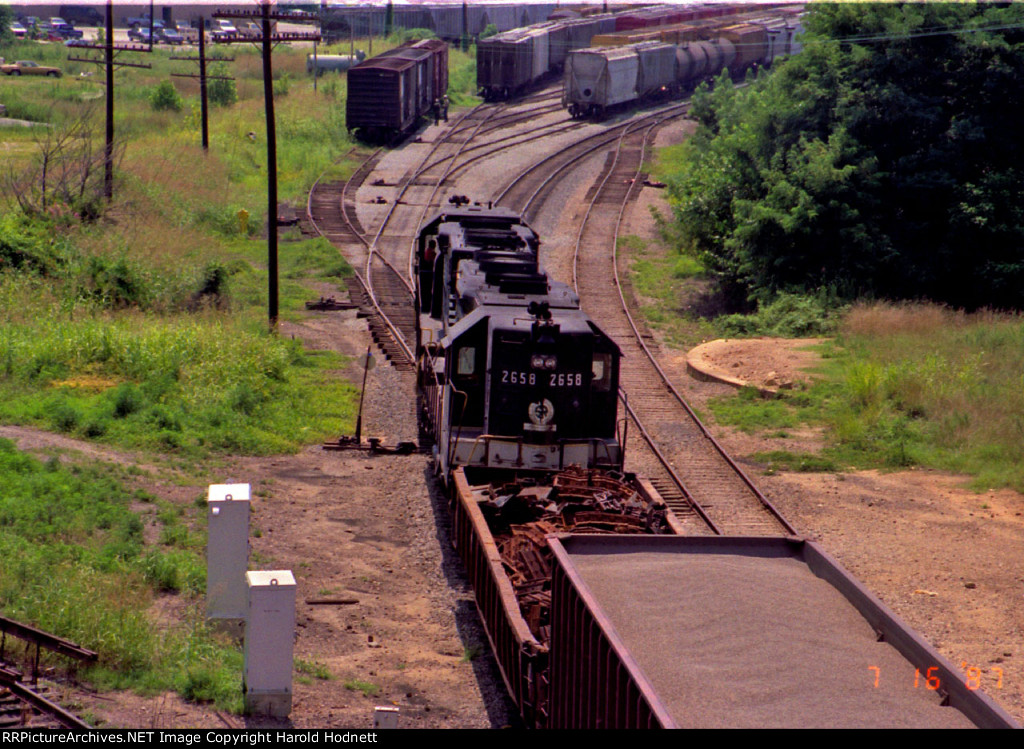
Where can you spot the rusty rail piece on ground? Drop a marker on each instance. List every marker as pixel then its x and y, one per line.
pixel 11 679
pixel 521 515
pixel 41 639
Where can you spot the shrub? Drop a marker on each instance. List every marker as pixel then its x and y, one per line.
pixel 165 96
pixel 282 85
pixel 788 316
pixel 221 92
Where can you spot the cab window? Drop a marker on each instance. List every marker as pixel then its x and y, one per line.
pixel 466 362
pixel 602 370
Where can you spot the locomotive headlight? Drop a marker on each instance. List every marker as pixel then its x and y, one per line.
pixel 540 361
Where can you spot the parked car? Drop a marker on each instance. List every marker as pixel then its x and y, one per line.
pixel 188 32
pixel 29 67
pixel 221 27
pixel 66 30
pixel 18 30
pixel 139 34
pixel 250 30
pixel 167 36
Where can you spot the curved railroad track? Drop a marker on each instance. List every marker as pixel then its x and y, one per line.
pixel 697 476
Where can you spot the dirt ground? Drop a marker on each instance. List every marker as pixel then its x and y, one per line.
pixel 374 530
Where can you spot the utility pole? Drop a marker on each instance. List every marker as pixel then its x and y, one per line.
pixel 109 50
pixel 204 104
pixel 267 40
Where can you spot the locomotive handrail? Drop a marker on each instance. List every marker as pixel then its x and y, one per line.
pixel 454 443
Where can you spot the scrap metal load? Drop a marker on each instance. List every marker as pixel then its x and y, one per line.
pixel 502 533
pixel 522 514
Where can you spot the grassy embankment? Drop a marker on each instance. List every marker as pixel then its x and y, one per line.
pixel 145 330
pixel 910 385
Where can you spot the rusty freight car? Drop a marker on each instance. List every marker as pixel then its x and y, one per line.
pixel 658 630
pixel 389 93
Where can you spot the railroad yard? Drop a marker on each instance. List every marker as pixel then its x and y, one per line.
pixel 405 563
pixel 374 531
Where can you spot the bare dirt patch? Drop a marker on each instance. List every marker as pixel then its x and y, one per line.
pixel 769 364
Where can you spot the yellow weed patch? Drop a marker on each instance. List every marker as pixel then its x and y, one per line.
pixel 86 382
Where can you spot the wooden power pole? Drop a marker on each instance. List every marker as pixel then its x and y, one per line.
pixel 108 59
pixel 268 38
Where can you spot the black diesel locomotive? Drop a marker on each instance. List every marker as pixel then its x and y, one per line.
pixel 513 373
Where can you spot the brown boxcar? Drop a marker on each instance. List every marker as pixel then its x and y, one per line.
pixel 388 94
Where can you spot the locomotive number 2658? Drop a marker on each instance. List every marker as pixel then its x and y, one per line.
pixel 563 379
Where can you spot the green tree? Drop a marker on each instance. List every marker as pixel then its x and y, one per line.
pixel 881 160
pixel 6 19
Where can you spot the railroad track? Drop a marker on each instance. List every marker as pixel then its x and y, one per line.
pixel 331 210
pixel 698 478
pixel 527 191
pixel 705 488
pixel 382 284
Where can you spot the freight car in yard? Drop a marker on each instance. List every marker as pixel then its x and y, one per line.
pixel 594 628
pixel 636 67
pixel 389 93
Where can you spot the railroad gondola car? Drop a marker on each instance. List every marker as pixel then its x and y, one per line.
pixel 513 374
pixel 389 93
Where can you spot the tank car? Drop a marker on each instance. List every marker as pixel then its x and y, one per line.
pixel 333 63
pixel 513 374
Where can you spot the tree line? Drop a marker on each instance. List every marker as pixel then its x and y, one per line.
pixel 881 161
